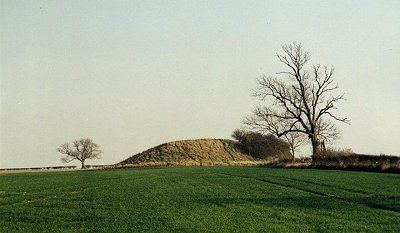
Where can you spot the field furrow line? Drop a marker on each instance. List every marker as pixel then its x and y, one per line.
pixel 315 192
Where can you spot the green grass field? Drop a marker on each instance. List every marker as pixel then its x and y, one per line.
pixel 200 199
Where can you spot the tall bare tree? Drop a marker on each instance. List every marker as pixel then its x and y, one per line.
pixel 80 150
pixel 302 101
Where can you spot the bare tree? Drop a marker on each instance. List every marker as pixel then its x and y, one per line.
pixel 295 141
pixel 303 101
pixel 80 150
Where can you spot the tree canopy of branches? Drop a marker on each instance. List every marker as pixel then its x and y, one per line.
pixel 302 100
pixel 262 146
pixel 80 150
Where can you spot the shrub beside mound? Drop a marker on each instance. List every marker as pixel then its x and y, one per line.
pixel 205 152
pixel 261 146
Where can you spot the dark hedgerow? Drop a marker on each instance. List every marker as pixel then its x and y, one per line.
pixel 261 146
pixel 355 161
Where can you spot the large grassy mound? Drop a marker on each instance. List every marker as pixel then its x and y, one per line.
pixel 192 152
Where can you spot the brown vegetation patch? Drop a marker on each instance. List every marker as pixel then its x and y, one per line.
pixel 188 164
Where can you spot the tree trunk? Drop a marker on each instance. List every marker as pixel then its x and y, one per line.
pixel 83 164
pixel 315 147
pixel 292 148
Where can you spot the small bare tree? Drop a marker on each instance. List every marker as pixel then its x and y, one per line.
pixel 303 103
pixel 295 141
pixel 80 150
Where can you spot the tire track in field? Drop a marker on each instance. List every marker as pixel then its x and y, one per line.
pixel 352 201
pixel 337 187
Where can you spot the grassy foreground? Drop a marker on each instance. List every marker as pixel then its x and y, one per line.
pixel 200 199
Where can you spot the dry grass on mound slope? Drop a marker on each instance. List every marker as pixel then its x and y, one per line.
pixel 191 151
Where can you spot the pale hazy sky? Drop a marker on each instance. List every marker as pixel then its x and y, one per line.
pixel 134 74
